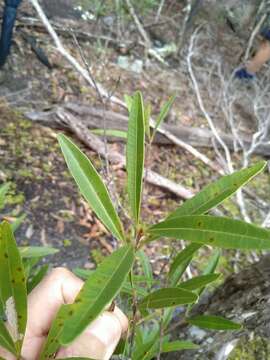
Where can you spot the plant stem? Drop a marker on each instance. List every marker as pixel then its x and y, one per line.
pixel 134 313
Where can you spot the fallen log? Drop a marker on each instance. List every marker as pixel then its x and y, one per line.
pixel 63 119
pixel 198 137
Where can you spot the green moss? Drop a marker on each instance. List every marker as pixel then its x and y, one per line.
pixel 246 349
pixel 67 242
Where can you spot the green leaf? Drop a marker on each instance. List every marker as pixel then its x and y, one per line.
pixel 215 193
pixel 12 284
pixel 178 345
pixel 135 154
pixel 36 279
pixel 128 100
pixel 213 323
pixel 91 186
pixel 215 231
pixel 127 289
pixel 28 252
pixel 52 342
pixel 17 222
pixel 162 115
pixel 98 291
pixel 146 350
pixel 3 192
pixel 167 297
pixel 146 266
pixel 147 115
pixel 212 263
pixel 210 268
pixel 182 257
pixel 76 358
pixel 6 340
pixel 199 282
pixel 110 132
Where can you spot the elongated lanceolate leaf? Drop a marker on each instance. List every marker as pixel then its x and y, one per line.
pixel 52 343
pixel 98 291
pixel 3 191
pixel 28 252
pixel 183 256
pixel 135 154
pixel 110 132
pixel 215 231
pixel 91 186
pixel 167 297
pixel 198 282
pixel 5 339
pixel 163 113
pixel 12 285
pixel 178 345
pixel 146 266
pixel 214 194
pixel 213 322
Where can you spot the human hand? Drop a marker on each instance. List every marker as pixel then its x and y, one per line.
pixel 98 341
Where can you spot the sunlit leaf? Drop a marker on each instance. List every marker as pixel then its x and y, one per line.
pixel 91 186
pixel 215 193
pixel 135 154
pixel 28 252
pixel 178 345
pixel 163 113
pixel 215 231
pixel 5 339
pixel 198 282
pixel 12 285
pixel 213 323
pixel 98 291
pixel 167 297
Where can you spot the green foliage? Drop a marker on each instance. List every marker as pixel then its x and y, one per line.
pixel 91 186
pixel 135 154
pixel 215 231
pixel 99 290
pixel 12 284
pixel 127 272
pixel 162 115
pixel 213 323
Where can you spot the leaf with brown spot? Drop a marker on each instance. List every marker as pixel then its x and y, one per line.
pixel 13 292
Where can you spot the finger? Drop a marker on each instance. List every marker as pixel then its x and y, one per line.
pixel 98 341
pixel 59 287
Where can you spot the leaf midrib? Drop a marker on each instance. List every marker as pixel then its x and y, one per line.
pixel 104 288
pixel 99 201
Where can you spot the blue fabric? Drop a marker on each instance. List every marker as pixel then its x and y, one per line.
pixel 9 17
pixel 243 74
pixel 266 33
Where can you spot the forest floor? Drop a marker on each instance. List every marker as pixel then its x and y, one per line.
pixel 31 160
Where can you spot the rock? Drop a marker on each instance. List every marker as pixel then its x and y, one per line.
pixel 126 63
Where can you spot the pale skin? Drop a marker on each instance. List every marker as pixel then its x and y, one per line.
pixel 260 58
pixel 98 341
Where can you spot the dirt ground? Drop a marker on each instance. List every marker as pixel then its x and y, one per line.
pixel 31 160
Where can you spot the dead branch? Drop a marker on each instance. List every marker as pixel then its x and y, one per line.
pixel 228 160
pixel 65 120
